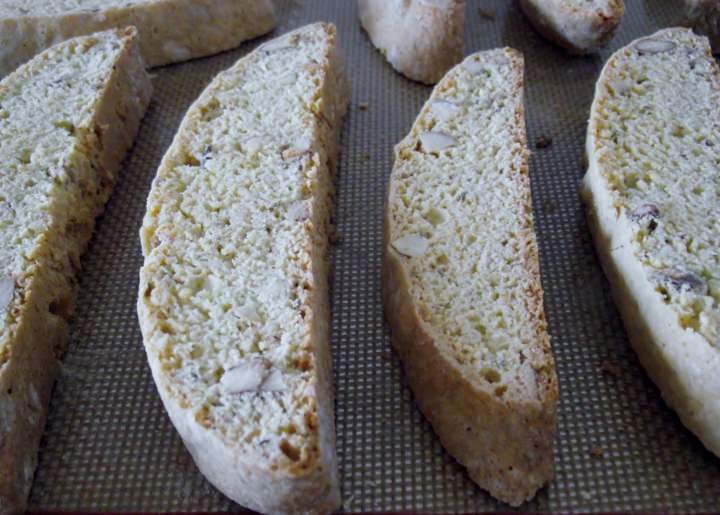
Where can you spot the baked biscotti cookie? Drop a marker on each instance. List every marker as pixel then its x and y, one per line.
pixel 580 26
pixel 704 17
pixel 652 191
pixel 233 300
pixel 422 39
pixel 461 284
pixel 171 30
pixel 67 118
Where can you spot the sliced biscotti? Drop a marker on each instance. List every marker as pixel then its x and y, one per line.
pixel 652 190
pixel 66 120
pixel 422 39
pixel 171 30
pixel 580 26
pixel 461 281
pixel 704 17
pixel 233 299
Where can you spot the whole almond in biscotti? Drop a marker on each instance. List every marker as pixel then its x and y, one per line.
pixel 461 283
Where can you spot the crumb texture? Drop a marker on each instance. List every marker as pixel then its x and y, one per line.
pixel 66 120
pixel 656 134
pixel 461 219
pixel 461 282
pixel 233 298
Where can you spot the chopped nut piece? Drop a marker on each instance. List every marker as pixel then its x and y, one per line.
pixel 645 211
pixel 654 46
pixel 252 375
pixel 444 110
pixel 301 147
pixel 436 141
pixel 411 245
pixel 681 280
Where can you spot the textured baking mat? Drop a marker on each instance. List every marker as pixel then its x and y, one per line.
pixel 109 445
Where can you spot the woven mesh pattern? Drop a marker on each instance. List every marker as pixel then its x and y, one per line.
pixel 109 445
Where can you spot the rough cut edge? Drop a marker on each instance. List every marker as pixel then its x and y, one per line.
pixel 704 17
pixel 507 446
pixel 422 42
pixel 171 30
pixel 40 336
pixel 579 32
pixel 242 478
pixel 661 345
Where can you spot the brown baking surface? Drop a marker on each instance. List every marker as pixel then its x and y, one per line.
pixel 109 445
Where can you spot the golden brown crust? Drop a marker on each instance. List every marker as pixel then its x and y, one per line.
pixel 506 444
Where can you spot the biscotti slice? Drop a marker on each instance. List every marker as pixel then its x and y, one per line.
pixel 461 282
pixel 580 26
pixel 704 17
pixel 652 190
pixel 67 118
pixel 233 300
pixel 171 30
pixel 422 39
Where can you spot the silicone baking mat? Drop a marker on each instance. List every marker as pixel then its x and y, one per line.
pixel 109 445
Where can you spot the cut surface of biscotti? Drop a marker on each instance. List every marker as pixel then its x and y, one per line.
pixel 580 26
pixel 704 17
pixel 233 298
pixel 171 30
pixel 461 278
pixel 67 118
pixel 653 194
pixel 422 39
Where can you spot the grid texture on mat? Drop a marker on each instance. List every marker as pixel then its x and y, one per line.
pixel 109 445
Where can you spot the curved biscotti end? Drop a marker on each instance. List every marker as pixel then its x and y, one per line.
pixel 171 30
pixel 579 27
pixel 461 288
pixel 233 300
pixel 704 17
pixel 651 231
pixel 421 39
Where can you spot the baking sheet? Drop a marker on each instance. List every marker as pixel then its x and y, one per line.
pixel 109 445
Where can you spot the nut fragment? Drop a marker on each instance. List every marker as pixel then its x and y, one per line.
pixel 300 147
pixel 681 280
pixel 248 311
pixel 7 288
pixel 276 45
pixel 474 66
pixel 252 375
pixel 436 141
pixel 654 46
pixel 412 245
pixel 444 109
pixel 645 211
